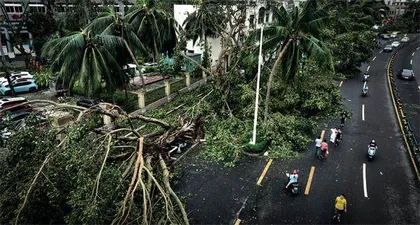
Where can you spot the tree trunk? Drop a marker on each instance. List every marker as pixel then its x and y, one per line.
pixel 270 78
pixel 155 54
pixel 137 64
pixel 3 61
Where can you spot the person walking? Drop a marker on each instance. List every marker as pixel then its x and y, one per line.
pixel 340 205
pixel 324 149
pixel 343 116
pixel 318 142
pixel 339 137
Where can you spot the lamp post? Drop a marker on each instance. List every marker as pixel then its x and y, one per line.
pixel 260 59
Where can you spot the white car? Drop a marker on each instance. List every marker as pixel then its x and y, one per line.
pixel 395 44
pixel 23 74
pixel 405 39
pixel 394 34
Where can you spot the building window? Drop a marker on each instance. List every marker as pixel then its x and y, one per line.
pixel 261 13
pixel 10 9
pixel 117 9
pixel 267 17
pixel 251 20
pixel 18 9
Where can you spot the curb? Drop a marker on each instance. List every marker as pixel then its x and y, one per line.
pixel 410 141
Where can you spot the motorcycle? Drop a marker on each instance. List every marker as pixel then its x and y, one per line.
pixel 371 152
pixel 294 187
pixel 365 90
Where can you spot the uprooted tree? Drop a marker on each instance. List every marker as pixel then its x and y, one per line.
pixel 88 173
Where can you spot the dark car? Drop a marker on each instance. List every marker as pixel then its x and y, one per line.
pixel 406 74
pixel 86 102
pixel 388 48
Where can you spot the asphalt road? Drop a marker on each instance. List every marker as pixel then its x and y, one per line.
pixel 386 193
pixel 408 57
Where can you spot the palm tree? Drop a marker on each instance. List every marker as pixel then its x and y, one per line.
pixel 111 23
pixel 202 23
pixel 298 32
pixel 155 27
pixel 87 60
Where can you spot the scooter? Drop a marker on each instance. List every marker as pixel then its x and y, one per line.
pixel 371 152
pixel 365 89
pixel 294 187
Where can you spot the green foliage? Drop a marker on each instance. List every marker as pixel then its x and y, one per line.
pixel 42 77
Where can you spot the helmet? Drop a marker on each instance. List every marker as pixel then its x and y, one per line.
pixel 373 141
pixel 295 171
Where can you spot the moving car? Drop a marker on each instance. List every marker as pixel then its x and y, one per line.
pixel 395 44
pixel 388 48
pixel 19 87
pixel 406 74
pixel 405 39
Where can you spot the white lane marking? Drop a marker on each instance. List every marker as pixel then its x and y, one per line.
pixel 363 112
pixel 417 48
pixel 413 54
pixel 411 62
pixel 374 58
pixel 364 181
pixel 419 87
pixel 381 51
pixel 368 68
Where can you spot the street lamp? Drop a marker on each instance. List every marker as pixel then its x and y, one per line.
pixel 260 59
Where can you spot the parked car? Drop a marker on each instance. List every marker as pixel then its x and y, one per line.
pixel 385 36
pixel 19 87
pixel 86 102
pixel 395 44
pixel 17 75
pixel 394 34
pixel 6 105
pixel 388 48
pixel 405 39
pixel 406 74
pixel 16 80
pixel 24 74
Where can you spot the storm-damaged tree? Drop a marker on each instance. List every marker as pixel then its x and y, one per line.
pixel 109 22
pixel 154 26
pixel 297 33
pixel 88 61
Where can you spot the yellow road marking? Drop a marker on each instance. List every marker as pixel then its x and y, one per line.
pixel 264 171
pixel 341 83
pixel 308 185
pixel 322 134
pixel 238 221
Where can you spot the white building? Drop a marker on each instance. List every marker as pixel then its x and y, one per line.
pixel 257 14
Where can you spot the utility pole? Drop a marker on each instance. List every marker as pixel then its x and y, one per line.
pixel 260 59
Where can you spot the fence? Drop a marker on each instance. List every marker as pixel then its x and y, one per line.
pixel 160 95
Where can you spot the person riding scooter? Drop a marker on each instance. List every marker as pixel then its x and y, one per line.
pixel 365 76
pixel 373 144
pixel 293 178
